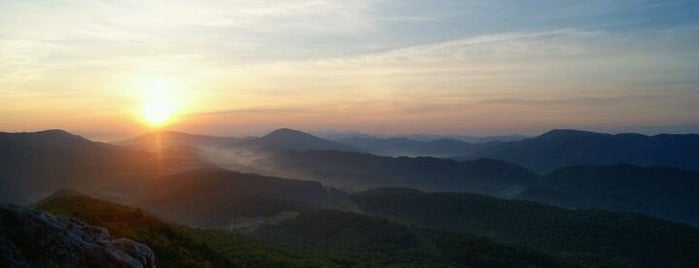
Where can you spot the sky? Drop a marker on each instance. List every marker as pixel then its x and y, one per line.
pixel 238 68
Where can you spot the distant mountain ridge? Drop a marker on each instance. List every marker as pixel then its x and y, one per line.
pixel 563 147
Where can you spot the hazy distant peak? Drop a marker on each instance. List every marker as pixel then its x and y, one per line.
pixel 285 138
pixel 287 132
pixel 568 131
pixel 53 133
pixel 571 133
pixel 51 136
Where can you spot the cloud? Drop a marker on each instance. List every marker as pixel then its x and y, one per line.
pixel 251 110
pixel 354 59
pixel 578 101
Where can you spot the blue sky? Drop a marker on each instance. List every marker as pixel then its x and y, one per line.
pixel 244 67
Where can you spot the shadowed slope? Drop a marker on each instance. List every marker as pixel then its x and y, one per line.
pixel 362 171
pixel 35 164
pixel 667 193
pixel 409 147
pixel 212 197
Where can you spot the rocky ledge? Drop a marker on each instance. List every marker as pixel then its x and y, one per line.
pixel 32 238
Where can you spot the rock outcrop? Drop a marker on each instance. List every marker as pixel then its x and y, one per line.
pixel 32 238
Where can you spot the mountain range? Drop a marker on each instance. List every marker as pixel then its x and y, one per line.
pixel 35 164
pixel 291 195
pixel 544 153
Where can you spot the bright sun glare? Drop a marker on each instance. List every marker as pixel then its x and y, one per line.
pixel 158 107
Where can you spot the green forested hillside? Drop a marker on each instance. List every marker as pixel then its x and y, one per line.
pixel 587 234
pixel 381 243
pixel 317 238
pixel 667 193
pixel 409 228
pixel 173 245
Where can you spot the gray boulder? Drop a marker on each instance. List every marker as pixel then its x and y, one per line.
pixel 32 238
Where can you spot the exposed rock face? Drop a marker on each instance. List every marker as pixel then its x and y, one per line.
pixel 32 238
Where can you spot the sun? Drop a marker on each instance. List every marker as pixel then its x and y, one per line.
pixel 157 114
pixel 158 107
